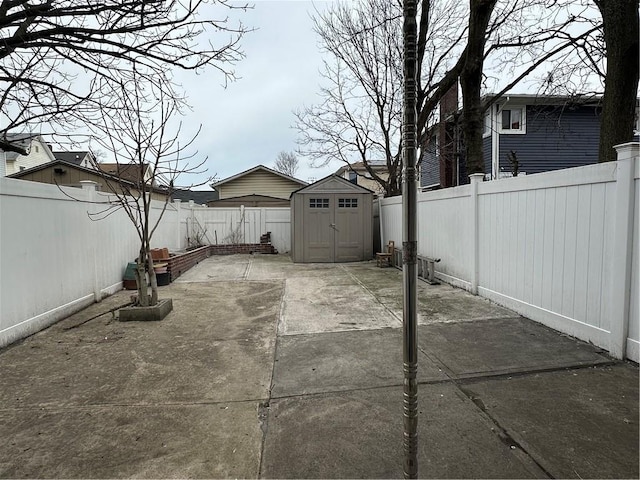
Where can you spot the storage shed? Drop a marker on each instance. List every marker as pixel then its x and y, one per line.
pixel 331 221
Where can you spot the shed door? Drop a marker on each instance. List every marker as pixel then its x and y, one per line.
pixel 333 229
pixel 318 231
pixel 348 229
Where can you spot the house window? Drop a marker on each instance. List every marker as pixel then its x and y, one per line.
pixel 318 203
pixel 347 203
pixel 37 149
pixel 353 177
pixel 487 124
pixel 22 168
pixel 512 120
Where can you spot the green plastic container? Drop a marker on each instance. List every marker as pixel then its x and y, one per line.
pixel 130 272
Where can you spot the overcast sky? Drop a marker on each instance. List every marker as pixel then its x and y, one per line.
pixel 250 122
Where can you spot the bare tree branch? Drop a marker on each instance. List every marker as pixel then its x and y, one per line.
pixel 63 61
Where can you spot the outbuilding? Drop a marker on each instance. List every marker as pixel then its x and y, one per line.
pixel 331 221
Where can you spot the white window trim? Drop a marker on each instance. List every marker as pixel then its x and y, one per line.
pixel 523 126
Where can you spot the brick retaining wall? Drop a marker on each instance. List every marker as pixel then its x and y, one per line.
pixel 179 264
pixel 242 248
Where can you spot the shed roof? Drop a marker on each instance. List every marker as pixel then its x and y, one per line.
pixel 332 184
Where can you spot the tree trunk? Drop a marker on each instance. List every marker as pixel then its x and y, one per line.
pixel 471 81
pixel 153 279
pixel 620 23
pixel 141 279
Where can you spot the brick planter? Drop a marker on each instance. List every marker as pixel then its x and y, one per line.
pixel 179 264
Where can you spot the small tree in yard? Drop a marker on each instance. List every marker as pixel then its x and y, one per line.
pixel 149 159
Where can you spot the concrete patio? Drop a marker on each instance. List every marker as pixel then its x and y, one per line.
pixel 269 369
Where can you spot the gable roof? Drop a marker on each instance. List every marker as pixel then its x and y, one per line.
pixel 20 140
pixel 72 157
pixel 535 99
pixel 332 183
pixel 255 169
pixel 91 171
pixel 251 201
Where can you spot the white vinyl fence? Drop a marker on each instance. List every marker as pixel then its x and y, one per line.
pixel 559 247
pixel 55 260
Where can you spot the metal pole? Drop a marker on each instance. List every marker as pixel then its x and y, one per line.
pixel 410 244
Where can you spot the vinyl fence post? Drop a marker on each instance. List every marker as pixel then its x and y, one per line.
pixel 475 178
pixel 620 293
pixel 89 188
pixel 176 204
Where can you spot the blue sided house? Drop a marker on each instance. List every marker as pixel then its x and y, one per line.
pixel 523 135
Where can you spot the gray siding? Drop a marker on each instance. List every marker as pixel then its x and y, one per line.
pixel 429 166
pixel 486 153
pixel 557 137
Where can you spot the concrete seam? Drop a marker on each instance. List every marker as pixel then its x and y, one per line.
pixel 247 271
pixel 366 289
pixel 64 408
pixel 501 431
pixel 534 371
pixel 263 407
pixel 449 379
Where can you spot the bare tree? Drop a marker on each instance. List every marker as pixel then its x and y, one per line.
pixel 287 163
pixel 62 61
pixel 149 159
pixel 360 117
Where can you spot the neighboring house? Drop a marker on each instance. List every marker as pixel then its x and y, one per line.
pixel 541 133
pixel 258 180
pixel 198 197
pixel 358 174
pixel 249 201
pixel 38 153
pixel 83 158
pixel 67 174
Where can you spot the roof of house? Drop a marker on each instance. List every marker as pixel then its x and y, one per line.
pixel 535 99
pixel 254 169
pixel 131 172
pixel 72 157
pixel 22 140
pixel 359 166
pixel 250 201
pixel 518 99
pixel 91 171
pixel 198 197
